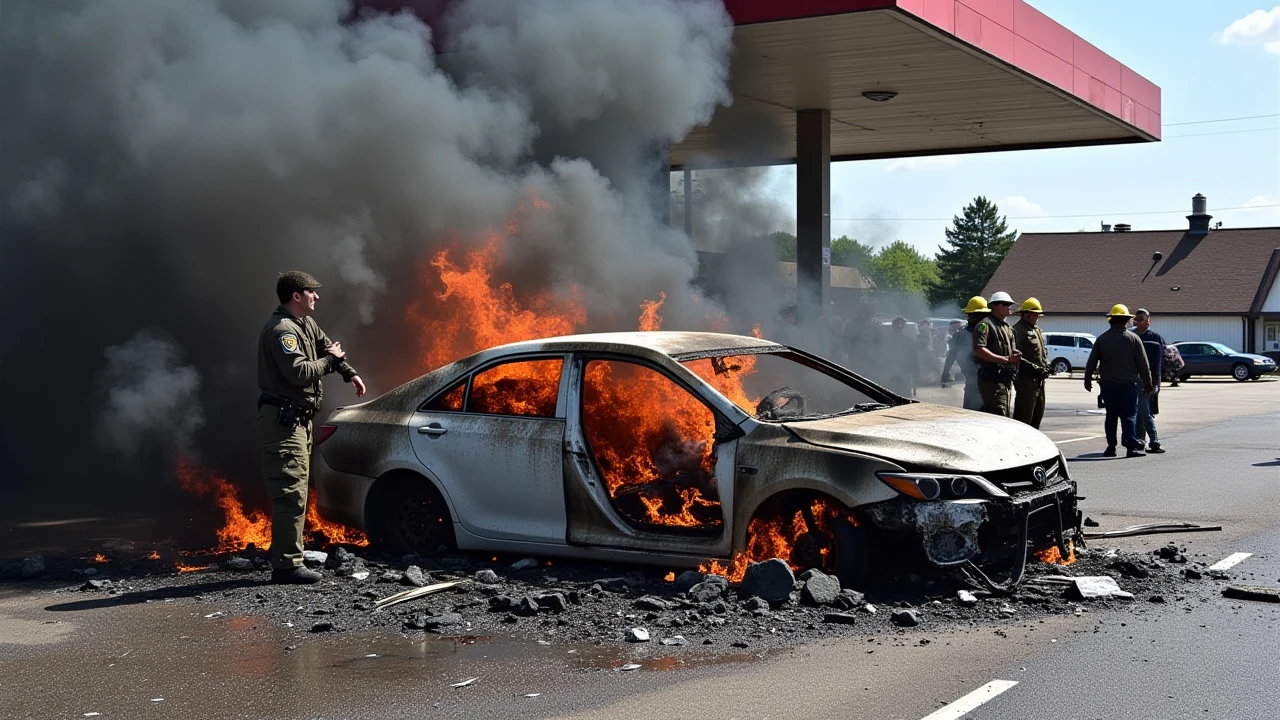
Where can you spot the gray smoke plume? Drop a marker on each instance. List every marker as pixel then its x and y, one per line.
pixel 165 159
pixel 150 396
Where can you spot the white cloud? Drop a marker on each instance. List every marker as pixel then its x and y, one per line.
pixel 1260 27
pixel 1018 206
pixel 1258 204
pixel 923 163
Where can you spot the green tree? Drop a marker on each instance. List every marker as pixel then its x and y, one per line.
pixel 901 267
pixel 976 245
pixel 848 252
pixel 786 243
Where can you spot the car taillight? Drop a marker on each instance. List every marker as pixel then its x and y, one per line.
pixel 324 432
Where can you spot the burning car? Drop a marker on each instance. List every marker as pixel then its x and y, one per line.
pixel 676 448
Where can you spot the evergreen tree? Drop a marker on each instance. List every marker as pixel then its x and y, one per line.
pixel 977 244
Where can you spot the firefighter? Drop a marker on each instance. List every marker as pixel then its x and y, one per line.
pixel 997 355
pixel 961 353
pixel 293 354
pixel 1028 398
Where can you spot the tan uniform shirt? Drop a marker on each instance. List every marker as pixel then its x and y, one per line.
pixel 995 335
pixel 292 357
pixel 1029 340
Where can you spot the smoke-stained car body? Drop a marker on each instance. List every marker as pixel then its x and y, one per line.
pixel 673 447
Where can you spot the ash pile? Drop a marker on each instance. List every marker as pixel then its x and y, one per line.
pixel 575 602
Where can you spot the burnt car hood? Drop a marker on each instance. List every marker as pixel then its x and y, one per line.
pixel 934 437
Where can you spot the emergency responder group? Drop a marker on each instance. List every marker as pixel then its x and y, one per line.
pixel 1005 368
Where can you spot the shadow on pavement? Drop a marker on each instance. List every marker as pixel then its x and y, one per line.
pixel 1091 457
pixel 165 593
pixel 1272 463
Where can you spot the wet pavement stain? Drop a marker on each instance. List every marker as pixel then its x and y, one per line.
pixel 167 659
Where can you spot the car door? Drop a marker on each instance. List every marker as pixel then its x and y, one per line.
pixel 495 441
pixel 651 465
pixel 1084 346
pixel 1216 361
pixel 1193 358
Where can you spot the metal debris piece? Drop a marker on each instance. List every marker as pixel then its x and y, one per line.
pixel 408 595
pixel 1252 592
pixel 216 614
pixel 465 683
pixel 533 695
pixel 1152 529
pixel 629 667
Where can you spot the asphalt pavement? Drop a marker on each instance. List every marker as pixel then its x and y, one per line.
pixel 1195 655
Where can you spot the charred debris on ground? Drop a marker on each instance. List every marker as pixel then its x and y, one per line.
pixel 576 602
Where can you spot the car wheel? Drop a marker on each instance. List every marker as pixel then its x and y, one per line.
pixel 851 560
pixel 1061 366
pixel 415 518
pixel 1240 372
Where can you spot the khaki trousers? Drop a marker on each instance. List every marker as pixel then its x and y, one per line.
pixel 1028 402
pixel 286 465
pixel 995 397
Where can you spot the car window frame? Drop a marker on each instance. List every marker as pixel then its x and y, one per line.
pixel 469 377
pixel 1080 342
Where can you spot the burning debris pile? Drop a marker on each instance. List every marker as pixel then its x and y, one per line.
pixel 576 602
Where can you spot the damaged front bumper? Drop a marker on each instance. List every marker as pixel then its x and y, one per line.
pixel 964 519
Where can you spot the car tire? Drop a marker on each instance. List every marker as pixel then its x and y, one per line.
pixel 852 561
pixel 1240 372
pixel 1061 366
pixel 415 518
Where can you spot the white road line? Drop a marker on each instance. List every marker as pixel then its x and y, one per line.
pixel 972 701
pixel 1091 437
pixel 1230 561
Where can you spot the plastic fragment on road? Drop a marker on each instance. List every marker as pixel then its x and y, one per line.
pixel 1100 587
pixel 533 695
pixel 629 667
pixel 408 595
pixel 465 683
pixel 1152 529
pixel 217 614
pixel 1252 592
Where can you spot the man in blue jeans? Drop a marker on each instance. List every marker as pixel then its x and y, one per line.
pixel 1154 346
pixel 1123 372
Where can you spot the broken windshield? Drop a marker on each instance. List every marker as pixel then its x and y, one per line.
pixel 783 386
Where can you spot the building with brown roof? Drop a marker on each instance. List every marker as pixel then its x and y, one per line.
pixel 1214 285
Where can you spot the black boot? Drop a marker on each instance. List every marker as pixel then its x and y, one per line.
pixel 1135 452
pixel 1110 451
pixel 1155 448
pixel 295 576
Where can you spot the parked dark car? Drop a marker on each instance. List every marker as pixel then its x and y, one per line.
pixel 1211 358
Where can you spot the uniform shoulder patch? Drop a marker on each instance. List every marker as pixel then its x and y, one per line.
pixel 289 342
pixel 983 327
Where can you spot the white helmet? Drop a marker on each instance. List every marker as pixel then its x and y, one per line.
pixel 1000 297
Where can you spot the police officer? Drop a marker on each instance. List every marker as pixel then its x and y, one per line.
pixel 293 354
pixel 1028 399
pixel 997 355
pixel 961 352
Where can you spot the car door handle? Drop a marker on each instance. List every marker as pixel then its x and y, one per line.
pixel 434 430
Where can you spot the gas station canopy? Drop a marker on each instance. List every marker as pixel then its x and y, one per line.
pixel 917 77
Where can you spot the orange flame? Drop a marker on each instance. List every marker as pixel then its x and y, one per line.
pixel 153 555
pixel 669 577
pixel 322 532
pixel 100 558
pixel 183 568
pixel 239 528
pixel 775 537
pixel 1054 555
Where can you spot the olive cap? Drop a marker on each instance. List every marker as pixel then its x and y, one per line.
pixel 295 281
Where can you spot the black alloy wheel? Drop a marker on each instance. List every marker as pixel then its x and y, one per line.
pixel 415 518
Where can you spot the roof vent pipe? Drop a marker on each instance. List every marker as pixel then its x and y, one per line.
pixel 1122 227
pixel 1106 227
pixel 1198 220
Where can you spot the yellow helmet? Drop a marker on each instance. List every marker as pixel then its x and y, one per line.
pixel 977 304
pixel 1031 305
pixel 1119 310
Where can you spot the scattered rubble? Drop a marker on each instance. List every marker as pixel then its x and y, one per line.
pixel 584 602
pixel 1252 592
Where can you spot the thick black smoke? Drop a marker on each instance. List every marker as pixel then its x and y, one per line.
pixel 163 160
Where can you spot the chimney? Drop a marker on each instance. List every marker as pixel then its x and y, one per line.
pixel 1199 217
pixel 1106 227
pixel 1121 227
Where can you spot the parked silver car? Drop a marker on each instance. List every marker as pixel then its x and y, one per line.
pixel 673 448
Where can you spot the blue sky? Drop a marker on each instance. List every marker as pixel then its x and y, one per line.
pixel 1205 72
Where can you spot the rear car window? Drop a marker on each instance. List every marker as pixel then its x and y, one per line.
pixel 527 388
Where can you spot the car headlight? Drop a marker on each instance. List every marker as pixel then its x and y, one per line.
pixel 1262 361
pixel 930 486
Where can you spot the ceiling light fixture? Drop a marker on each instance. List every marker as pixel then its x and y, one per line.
pixel 879 95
